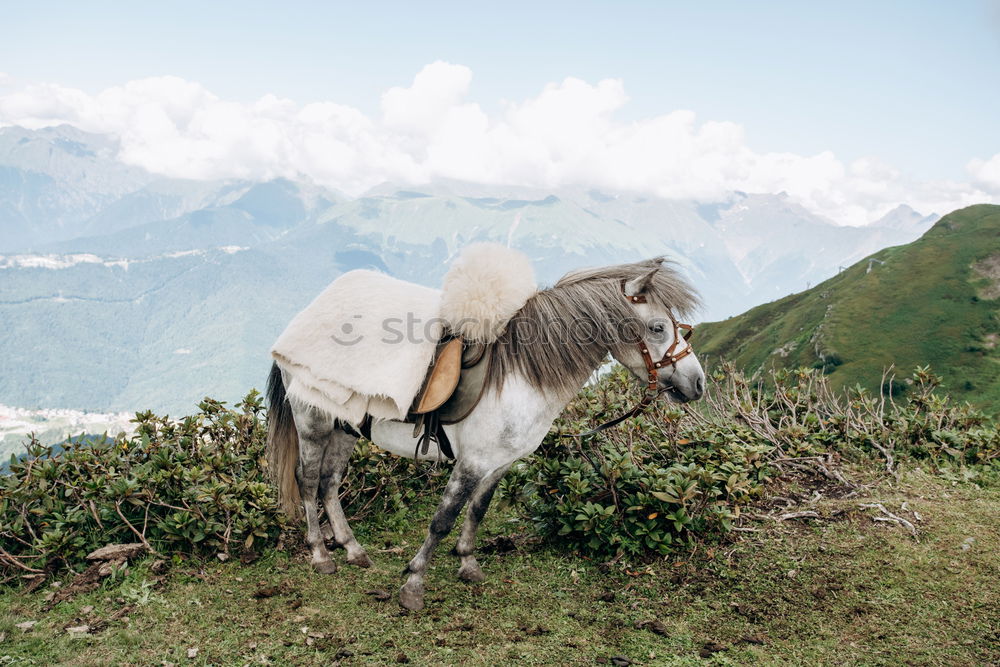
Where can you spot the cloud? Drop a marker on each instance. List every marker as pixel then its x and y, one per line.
pixel 422 108
pixel 986 173
pixel 567 134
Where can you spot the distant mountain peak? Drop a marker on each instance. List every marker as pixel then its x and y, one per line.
pixel 904 217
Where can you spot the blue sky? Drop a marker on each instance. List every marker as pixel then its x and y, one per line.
pixel 914 84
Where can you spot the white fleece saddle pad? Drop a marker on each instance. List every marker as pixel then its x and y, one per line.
pixel 361 347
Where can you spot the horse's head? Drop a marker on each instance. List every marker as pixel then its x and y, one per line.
pixel 657 350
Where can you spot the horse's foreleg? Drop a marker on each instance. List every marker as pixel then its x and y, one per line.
pixel 314 435
pixel 338 453
pixel 460 486
pixel 469 569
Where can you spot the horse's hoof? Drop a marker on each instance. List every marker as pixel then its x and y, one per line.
pixel 411 598
pixel 471 573
pixel 360 560
pixel 325 567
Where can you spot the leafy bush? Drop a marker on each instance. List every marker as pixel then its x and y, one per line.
pixel 639 488
pixel 934 427
pixel 190 486
pixel 672 477
pixel 677 475
pixel 612 501
pixel 798 413
pixel 381 488
pixel 194 486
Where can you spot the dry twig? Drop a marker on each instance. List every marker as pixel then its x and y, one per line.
pixel 891 518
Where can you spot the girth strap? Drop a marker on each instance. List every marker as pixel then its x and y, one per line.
pixel 433 430
pixel 430 428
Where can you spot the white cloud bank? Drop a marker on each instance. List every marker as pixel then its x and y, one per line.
pixel 566 135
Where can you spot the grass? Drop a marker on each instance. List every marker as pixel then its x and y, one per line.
pixel 923 305
pixel 843 589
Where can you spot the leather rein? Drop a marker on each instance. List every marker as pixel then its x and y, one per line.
pixel 670 357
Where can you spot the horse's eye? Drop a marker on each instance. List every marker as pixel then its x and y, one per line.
pixel 657 328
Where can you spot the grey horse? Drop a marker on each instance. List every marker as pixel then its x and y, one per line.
pixel 560 337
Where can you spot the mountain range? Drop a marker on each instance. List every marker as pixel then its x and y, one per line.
pixel 124 290
pixel 931 302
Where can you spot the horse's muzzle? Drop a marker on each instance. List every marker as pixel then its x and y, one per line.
pixel 680 396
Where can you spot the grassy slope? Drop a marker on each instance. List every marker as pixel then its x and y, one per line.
pixel 920 307
pixel 846 590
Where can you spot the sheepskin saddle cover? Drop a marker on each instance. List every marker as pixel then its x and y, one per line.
pixel 363 346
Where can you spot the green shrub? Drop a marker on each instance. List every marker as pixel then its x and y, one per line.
pixel 381 488
pixel 614 501
pixel 679 475
pixel 190 486
pixel 194 486
pixel 672 477
pixel 934 427
pixel 640 488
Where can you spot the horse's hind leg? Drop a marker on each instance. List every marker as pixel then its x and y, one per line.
pixel 315 430
pixel 338 453
pixel 461 484
pixel 469 570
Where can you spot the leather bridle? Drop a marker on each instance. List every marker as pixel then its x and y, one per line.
pixel 670 357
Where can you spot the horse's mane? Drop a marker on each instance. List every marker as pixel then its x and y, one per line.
pixel 564 332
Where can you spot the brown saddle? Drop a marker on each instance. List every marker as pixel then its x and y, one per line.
pixel 442 377
pixel 452 388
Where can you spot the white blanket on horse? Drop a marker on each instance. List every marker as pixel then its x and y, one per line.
pixel 362 346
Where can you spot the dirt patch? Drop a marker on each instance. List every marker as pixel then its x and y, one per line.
pixel 267 592
pixel 85 582
pixel 505 544
pixel 990 341
pixel 98 624
pixel 654 626
pixel 805 479
pixel 988 268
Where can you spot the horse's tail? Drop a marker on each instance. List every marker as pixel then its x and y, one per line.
pixel 282 445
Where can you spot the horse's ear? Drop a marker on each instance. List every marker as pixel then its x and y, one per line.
pixel 640 285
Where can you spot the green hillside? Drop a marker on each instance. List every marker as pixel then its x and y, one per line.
pixel 933 301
